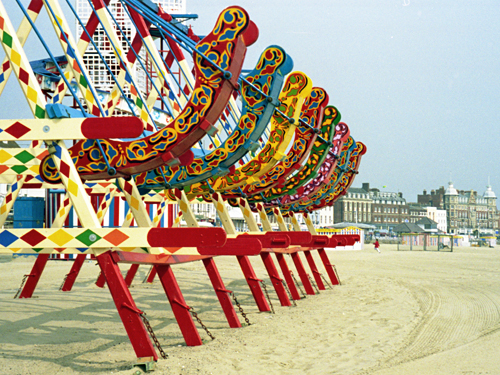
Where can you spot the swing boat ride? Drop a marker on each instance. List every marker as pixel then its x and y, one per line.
pixel 264 140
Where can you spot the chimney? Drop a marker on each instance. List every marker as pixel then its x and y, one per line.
pixel 366 186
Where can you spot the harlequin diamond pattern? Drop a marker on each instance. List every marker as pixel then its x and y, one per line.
pixel 116 237
pixel 6 238
pixel 33 237
pixel 24 157
pixel 61 237
pixel 88 237
pixel 64 169
pixel 17 130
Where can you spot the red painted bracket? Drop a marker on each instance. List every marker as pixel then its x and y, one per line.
pixel 112 127
pixel 343 240
pixel 241 245
pixel 186 237
pixel 271 239
pixel 319 241
pixel 299 238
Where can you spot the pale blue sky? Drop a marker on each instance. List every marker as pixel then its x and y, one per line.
pixel 418 84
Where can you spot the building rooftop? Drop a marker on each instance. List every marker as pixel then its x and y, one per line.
pixel 451 190
pixel 426 220
pixel 489 193
pixel 407 228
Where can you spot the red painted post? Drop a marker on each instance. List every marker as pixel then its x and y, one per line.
pixel 178 304
pixel 302 274
pixel 151 275
pixel 222 293
pixel 314 270
pixel 288 276
pixel 131 274
pixel 253 283
pixel 127 309
pixel 275 279
pixel 330 270
pixel 101 281
pixel 73 273
pixel 34 276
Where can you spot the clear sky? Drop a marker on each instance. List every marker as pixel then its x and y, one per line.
pixel 417 81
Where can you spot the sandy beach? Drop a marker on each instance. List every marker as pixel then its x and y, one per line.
pixel 395 313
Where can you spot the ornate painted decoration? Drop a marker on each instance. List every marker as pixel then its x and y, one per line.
pixel 226 47
pixel 258 104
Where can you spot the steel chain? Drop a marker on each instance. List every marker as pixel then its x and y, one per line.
pixel 313 283
pixel 64 280
pixel 267 295
pixel 240 308
pixel 298 285
pixel 152 334
pixel 326 281
pixel 191 310
pixel 147 275
pixel 336 274
pixel 23 281
pixel 289 293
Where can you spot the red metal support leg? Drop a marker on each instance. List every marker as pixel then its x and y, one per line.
pixel 151 276
pixel 34 276
pixel 222 293
pixel 178 304
pixel 275 279
pixel 253 283
pixel 288 276
pixel 302 274
pixel 101 281
pixel 330 269
pixel 314 270
pixel 128 311
pixel 131 274
pixel 73 273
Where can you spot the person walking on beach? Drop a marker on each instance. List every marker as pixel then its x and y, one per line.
pixel 377 245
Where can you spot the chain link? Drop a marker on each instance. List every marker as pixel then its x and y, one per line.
pixel 313 283
pixel 298 285
pixel 267 295
pixel 289 293
pixel 240 308
pixel 326 281
pixel 336 274
pixel 152 334
pixel 21 287
pixel 195 315
pixel 147 275
pixel 64 280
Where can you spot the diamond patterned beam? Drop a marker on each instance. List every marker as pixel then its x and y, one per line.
pixel 19 63
pixel 23 31
pixel 85 240
pixel 70 128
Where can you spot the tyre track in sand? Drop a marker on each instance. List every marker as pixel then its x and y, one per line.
pixel 450 316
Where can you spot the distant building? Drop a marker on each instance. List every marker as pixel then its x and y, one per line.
pixel 354 207
pixel 416 212
pixel 439 216
pixel 428 225
pixel 434 199
pixel 368 205
pixel 388 209
pixel 470 213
